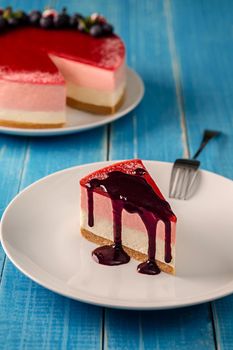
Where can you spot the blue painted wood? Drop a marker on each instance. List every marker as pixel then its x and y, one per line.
pixel 34 318
pixel 122 330
pixel 12 157
pixel 222 312
pixel 205 55
pixel 186 328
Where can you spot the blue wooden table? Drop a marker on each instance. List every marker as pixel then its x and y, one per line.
pixel 183 49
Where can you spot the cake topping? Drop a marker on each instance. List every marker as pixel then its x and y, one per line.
pixel 74 20
pixel 46 22
pixel 62 20
pixel 34 17
pixel 132 192
pixel 95 24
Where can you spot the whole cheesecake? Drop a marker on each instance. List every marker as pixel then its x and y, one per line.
pixel 123 210
pixel 42 70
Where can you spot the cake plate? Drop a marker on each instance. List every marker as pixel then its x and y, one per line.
pixel 44 242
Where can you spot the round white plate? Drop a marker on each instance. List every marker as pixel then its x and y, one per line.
pixel 40 235
pixel 79 121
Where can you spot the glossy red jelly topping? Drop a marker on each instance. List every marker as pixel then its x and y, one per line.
pixel 26 49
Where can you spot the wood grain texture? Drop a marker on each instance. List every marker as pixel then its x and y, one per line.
pixel 205 52
pixel 223 319
pixel 12 158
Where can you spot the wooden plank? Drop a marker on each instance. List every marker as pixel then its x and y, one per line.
pixel 155 130
pixel 206 56
pixel 178 329
pixel 122 330
pixel 206 59
pixel 32 317
pixel 12 156
pixel 222 314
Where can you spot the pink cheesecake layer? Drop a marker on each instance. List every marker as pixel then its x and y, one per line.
pixel 103 208
pixel 90 76
pixel 31 97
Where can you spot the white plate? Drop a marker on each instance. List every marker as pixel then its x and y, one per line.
pixel 40 234
pixel 79 121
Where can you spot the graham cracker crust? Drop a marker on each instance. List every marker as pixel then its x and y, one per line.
pixel 88 107
pixel 23 125
pixel 132 253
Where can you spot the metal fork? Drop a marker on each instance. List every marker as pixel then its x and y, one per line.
pixel 184 171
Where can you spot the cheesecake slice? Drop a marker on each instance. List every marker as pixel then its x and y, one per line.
pixel 124 212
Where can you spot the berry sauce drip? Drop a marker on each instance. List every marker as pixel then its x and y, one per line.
pixel 133 194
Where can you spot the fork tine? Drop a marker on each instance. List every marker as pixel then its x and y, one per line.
pixel 185 182
pixel 182 177
pixel 192 176
pixel 172 180
pixel 187 186
pixel 179 185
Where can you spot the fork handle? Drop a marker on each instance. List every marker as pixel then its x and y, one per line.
pixel 207 136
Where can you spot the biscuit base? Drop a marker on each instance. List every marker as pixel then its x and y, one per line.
pixel 88 107
pixel 23 125
pixel 131 252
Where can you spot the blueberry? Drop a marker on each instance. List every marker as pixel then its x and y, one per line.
pixel 3 23
pixel 96 30
pixel 22 17
pixel 46 22
pixel 74 19
pixel 107 28
pixel 13 22
pixel 34 17
pixel 62 20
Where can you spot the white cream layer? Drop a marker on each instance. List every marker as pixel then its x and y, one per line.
pixel 130 238
pixel 33 117
pixel 94 96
